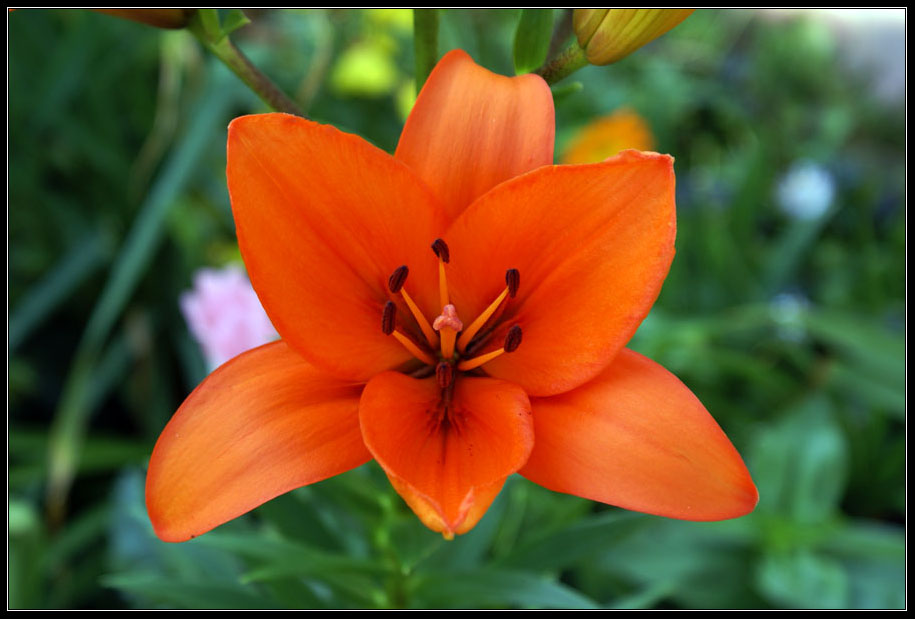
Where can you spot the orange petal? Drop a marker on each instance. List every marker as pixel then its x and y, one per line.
pixel 260 425
pixel 592 243
pixel 472 129
pixel 447 467
pixel 323 219
pixel 638 438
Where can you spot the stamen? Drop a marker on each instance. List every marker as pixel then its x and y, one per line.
pixel 512 341
pixel 387 318
pixel 443 297
pixel 512 281
pixel 397 279
pixel 395 284
pixel 448 325
pixel 470 364
pixel 479 321
pixel 444 372
pixel 420 318
pixel 444 257
pixel 413 349
pixel 441 250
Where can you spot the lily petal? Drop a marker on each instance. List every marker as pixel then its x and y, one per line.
pixel 638 438
pixel 592 243
pixel 323 218
pixel 260 425
pixel 448 468
pixel 471 129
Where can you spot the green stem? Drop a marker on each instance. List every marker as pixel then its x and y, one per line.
pixel 205 26
pixel 571 59
pixel 262 86
pixel 425 43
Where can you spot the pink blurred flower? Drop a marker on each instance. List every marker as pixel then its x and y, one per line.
pixel 224 314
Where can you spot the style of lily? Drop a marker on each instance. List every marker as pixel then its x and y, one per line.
pixel 458 312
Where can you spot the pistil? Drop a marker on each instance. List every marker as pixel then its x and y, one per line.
pixel 448 326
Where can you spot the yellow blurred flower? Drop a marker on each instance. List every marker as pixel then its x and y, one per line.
pixel 608 136
pixel 608 35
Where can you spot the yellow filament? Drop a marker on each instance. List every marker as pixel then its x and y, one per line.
pixel 468 333
pixel 420 319
pixel 442 284
pixel 448 336
pixel 469 364
pixel 412 348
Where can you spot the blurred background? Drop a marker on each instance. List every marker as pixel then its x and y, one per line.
pixel 784 312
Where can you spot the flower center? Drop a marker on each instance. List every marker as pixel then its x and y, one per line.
pixel 449 347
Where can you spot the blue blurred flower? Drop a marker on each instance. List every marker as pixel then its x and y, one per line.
pixel 806 191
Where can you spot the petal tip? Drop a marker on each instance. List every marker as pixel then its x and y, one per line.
pixel 644 155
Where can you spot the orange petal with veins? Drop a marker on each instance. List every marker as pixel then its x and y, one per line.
pixel 323 219
pixel 593 244
pixel 638 438
pixel 260 425
pixel 448 466
pixel 471 129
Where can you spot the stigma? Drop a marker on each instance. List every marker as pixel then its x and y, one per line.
pixel 446 347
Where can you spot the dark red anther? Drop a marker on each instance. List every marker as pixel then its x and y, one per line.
pixel 397 279
pixel 387 318
pixel 444 372
pixel 441 250
pixel 512 339
pixel 512 280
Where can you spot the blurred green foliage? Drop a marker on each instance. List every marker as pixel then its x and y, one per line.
pixel 791 331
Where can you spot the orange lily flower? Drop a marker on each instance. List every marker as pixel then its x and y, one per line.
pixel 500 350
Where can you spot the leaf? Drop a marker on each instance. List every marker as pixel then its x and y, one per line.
pixel 873 350
pixel 493 588
pixel 204 594
pixel 40 300
pixel 563 92
pixel 646 598
pixel 801 463
pixel 234 20
pixel 689 555
pixel 560 549
pixel 532 39
pixel 209 22
pixel 868 540
pixel 285 557
pixel 278 560
pixel 803 580
pixel 102 453
pixel 874 556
